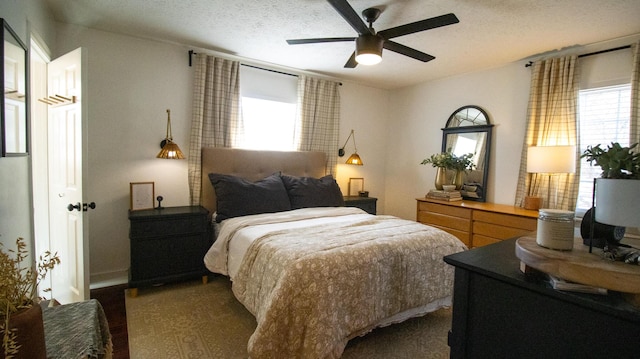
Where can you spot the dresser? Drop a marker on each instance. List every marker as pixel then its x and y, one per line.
pixel 367 204
pixel 476 223
pixel 167 244
pixel 499 312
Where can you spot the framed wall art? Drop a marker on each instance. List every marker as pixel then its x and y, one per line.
pixel 141 195
pixel 356 185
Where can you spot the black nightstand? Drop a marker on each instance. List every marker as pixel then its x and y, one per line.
pixel 168 244
pixel 367 204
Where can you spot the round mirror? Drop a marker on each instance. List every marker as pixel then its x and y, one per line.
pixel 468 130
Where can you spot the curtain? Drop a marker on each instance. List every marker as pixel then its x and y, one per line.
pixel 551 121
pixel 318 118
pixel 635 97
pixel 216 118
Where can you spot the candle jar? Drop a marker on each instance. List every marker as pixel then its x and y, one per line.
pixel 555 229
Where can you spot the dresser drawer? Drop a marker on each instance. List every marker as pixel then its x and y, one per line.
pixel 506 220
pixel 160 257
pixel 143 228
pixel 497 231
pixel 477 224
pixel 443 220
pixel 463 236
pixel 444 209
pixel 479 240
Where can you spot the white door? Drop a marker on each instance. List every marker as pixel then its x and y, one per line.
pixel 70 281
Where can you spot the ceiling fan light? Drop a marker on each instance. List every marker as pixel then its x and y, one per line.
pixel 369 49
pixel 368 59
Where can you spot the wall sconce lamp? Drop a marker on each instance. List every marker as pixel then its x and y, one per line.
pixel 169 150
pixel 354 159
pixel 550 160
pixel 369 49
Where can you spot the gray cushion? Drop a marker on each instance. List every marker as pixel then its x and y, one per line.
pixel 238 197
pixel 305 192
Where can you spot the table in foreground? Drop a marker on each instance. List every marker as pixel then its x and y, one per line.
pixel 498 312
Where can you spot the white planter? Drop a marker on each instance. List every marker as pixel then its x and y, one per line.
pixel 618 202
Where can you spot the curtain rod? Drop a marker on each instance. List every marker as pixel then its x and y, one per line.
pixel 593 53
pixel 191 53
pixel 270 70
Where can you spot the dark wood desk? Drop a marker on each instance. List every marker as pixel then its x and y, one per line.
pixel 498 312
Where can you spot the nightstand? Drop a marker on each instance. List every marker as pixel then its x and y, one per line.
pixel 167 245
pixel 367 204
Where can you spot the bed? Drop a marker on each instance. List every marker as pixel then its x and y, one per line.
pixel 315 274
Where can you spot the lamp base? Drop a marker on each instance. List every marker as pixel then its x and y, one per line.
pixel 532 202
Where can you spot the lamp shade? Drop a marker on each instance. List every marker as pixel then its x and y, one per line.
pixel 369 49
pixel 551 159
pixel 354 159
pixel 170 151
pixel 618 202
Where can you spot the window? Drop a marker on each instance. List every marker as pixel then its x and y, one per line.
pixel 604 115
pixel 269 102
pixel 268 125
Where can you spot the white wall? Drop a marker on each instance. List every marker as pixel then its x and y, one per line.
pixel 419 114
pixel 366 111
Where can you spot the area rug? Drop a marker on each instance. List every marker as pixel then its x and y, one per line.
pixel 194 320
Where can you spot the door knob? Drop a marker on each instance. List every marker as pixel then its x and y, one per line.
pixel 71 207
pixel 85 206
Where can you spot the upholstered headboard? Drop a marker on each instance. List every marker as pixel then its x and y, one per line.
pixel 255 165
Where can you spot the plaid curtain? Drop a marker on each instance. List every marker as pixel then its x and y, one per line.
pixel 318 120
pixel 216 113
pixel 551 121
pixel 635 96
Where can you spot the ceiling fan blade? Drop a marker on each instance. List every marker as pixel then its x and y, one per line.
pixel 315 41
pixel 407 51
pixel 432 23
pixel 350 15
pixel 351 63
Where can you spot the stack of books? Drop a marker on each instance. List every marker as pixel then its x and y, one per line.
pixel 444 195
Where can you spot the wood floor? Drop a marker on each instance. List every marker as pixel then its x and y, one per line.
pixel 112 301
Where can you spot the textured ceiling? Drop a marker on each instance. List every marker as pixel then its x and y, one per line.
pixel 490 33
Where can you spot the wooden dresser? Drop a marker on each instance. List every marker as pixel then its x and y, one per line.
pixel 477 223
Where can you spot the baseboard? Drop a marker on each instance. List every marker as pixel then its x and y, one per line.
pixel 109 279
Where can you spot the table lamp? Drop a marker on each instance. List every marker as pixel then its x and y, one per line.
pixel 550 160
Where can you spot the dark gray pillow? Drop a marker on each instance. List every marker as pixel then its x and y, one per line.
pixel 305 192
pixel 238 197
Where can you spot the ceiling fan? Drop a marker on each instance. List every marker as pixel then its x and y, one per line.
pixel 369 43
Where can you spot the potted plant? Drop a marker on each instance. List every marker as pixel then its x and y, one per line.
pixel 19 301
pixel 448 161
pixel 616 161
pixel 618 189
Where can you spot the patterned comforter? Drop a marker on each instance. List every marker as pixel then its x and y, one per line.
pixel 312 289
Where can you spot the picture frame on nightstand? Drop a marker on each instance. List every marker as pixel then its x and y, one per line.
pixel 356 185
pixel 141 195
